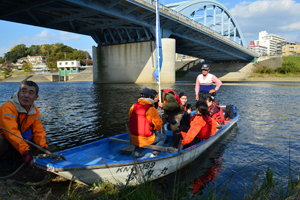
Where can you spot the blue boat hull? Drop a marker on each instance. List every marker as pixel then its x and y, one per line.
pixel 102 161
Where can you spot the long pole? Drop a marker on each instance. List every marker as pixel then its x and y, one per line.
pixel 157 51
pixel 31 143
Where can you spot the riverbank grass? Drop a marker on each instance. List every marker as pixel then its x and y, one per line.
pixel 289 69
pixel 3 75
pixel 262 186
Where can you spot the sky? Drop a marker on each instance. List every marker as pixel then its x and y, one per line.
pixel 280 17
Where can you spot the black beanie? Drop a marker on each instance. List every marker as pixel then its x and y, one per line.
pixel 182 94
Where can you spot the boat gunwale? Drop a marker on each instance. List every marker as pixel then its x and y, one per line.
pixel 214 138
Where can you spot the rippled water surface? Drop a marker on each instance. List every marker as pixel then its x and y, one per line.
pixel 267 132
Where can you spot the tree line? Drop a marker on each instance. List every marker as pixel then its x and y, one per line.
pixel 54 53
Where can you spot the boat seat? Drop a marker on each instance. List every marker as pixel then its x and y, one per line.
pixel 127 149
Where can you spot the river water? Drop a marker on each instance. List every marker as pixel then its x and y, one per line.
pixel 267 133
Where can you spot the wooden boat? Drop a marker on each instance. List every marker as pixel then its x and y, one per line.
pixel 103 160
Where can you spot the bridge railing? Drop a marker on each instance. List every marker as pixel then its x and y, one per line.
pixel 199 25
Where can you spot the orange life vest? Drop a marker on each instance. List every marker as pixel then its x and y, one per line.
pixel 206 130
pixel 139 125
pixel 219 116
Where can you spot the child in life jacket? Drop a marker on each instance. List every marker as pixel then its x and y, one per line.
pixel 215 111
pixel 201 127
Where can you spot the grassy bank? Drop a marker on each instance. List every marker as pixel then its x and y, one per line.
pixel 13 74
pixel 262 186
pixel 289 69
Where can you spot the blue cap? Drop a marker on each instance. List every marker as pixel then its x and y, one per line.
pixel 205 67
pixel 146 92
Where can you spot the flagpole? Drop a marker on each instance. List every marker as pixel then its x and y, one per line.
pixel 158 49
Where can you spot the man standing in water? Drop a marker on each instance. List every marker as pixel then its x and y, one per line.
pixel 204 84
pixel 21 117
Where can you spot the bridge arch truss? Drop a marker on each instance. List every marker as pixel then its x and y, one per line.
pixel 212 14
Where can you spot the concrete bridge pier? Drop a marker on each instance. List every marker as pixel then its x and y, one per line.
pixel 133 62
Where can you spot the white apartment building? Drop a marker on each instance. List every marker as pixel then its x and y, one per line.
pixel 38 62
pixel 268 40
pixel 260 50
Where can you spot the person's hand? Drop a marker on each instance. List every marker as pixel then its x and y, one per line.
pixel 197 97
pixel 212 91
pixel 29 158
pixel 160 104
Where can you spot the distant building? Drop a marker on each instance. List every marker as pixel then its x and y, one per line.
pixel 38 62
pixel 260 50
pixel 282 44
pixel 68 67
pixel 268 40
pixel 290 50
pixel 21 60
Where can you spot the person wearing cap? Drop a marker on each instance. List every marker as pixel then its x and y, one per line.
pixel 204 84
pixel 144 121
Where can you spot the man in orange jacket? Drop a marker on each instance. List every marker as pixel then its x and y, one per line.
pixel 20 116
pixel 144 121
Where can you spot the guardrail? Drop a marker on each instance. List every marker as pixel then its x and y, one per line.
pixel 45 73
pixel 197 24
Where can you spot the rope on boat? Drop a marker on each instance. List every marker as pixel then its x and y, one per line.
pixel 46 180
pixel 40 148
pixel 12 174
pixel 56 156
pixel 38 156
pixel 47 155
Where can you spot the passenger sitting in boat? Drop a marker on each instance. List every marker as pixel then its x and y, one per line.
pixel 156 98
pixel 186 118
pixel 215 111
pixel 185 121
pixel 172 111
pixel 201 127
pixel 144 121
pixel 183 99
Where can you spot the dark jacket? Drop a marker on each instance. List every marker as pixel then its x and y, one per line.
pixel 172 107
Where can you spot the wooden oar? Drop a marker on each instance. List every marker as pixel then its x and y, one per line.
pixel 153 147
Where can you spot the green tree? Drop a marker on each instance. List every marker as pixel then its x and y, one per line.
pixel 47 49
pixel 52 66
pixel 34 50
pixel 2 60
pixel 79 55
pixel 60 47
pixel 16 52
pixel 7 67
pixel 27 67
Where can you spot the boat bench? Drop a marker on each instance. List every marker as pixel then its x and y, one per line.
pixel 129 149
